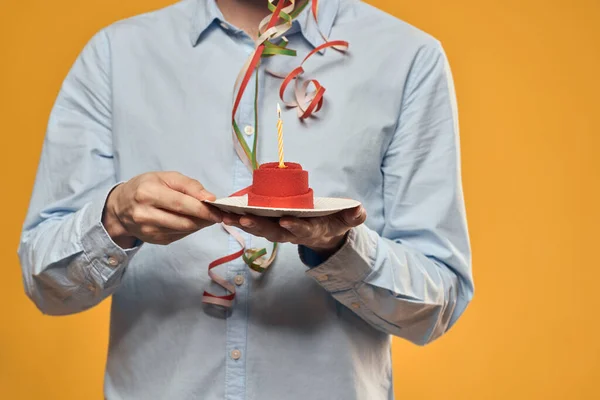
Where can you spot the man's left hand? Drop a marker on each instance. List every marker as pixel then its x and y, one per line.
pixel 323 235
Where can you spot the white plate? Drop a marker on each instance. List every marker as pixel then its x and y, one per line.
pixel 323 206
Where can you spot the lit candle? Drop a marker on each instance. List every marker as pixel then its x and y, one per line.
pixel 280 137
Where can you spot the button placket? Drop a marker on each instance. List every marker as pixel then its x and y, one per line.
pixel 237 320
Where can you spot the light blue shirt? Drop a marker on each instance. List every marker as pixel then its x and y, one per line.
pixel 154 93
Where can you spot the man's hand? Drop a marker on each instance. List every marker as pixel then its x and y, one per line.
pixel 159 208
pixel 323 235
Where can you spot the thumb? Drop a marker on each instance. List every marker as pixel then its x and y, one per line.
pixel 187 185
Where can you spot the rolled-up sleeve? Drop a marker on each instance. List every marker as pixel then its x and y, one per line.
pixel 412 279
pixel 68 260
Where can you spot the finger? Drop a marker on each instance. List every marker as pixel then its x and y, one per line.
pixel 214 210
pixel 266 228
pixel 298 227
pixel 320 227
pixel 156 220
pixel 231 219
pixel 180 203
pixel 187 185
pixel 353 217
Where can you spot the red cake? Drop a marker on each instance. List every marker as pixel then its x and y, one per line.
pixel 280 187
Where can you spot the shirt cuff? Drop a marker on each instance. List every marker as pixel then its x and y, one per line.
pixel 108 259
pixel 308 257
pixel 350 265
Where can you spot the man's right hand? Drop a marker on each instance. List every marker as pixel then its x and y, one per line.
pixel 159 208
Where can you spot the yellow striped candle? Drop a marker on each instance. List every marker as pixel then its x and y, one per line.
pixel 280 136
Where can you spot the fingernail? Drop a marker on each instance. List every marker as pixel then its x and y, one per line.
pixel 247 223
pixel 206 195
pixel 358 213
pixel 286 225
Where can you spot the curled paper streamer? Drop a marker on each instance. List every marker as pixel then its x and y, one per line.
pixel 307 102
pixel 224 300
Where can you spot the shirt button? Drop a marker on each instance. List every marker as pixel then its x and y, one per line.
pixel 112 261
pixel 236 354
pixel 239 280
pixel 322 278
pixel 249 130
pixel 355 305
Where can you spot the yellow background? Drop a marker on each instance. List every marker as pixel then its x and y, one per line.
pixel 527 77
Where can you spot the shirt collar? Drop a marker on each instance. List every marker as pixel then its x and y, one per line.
pixel 207 11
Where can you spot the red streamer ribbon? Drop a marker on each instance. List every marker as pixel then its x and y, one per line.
pixel 307 102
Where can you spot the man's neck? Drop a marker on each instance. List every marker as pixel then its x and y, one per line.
pixel 244 14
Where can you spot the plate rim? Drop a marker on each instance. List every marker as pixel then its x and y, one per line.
pixel 294 210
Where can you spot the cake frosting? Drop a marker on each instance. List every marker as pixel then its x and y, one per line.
pixel 280 187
